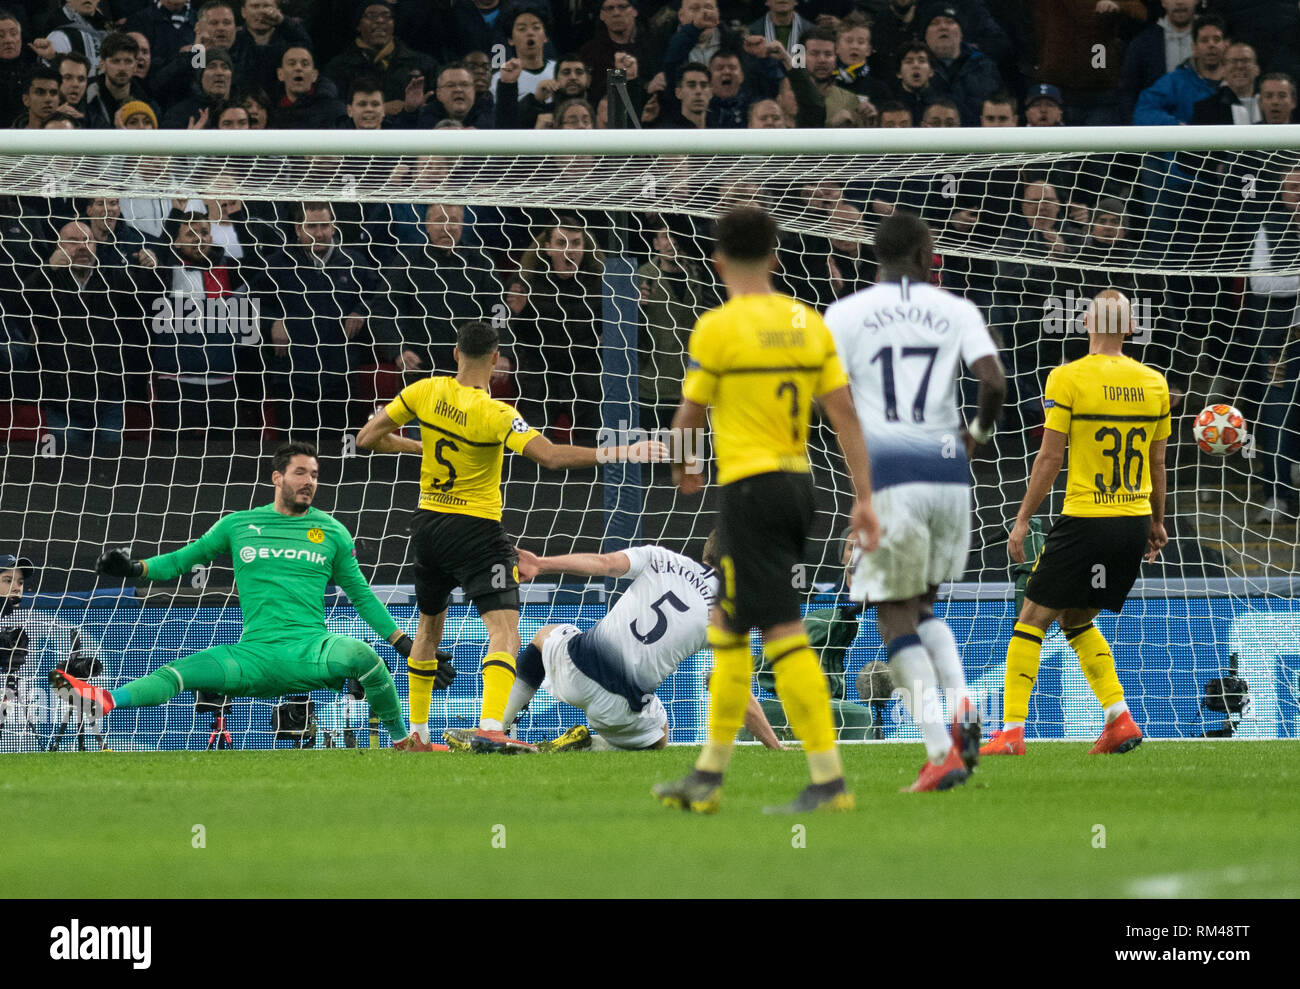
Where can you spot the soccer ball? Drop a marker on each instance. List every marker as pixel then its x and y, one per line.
pixel 1220 429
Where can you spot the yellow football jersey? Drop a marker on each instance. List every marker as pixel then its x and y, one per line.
pixel 760 360
pixel 1112 408
pixel 465 432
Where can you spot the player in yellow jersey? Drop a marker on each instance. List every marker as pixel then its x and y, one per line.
pixel 456 534
pixel 759 361
pixel 1113 414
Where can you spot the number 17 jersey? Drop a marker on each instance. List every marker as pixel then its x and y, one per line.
pixel 903 344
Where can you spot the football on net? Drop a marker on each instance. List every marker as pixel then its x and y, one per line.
pixel 1220 429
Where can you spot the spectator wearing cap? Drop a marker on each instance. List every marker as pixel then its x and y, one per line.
pixel 964 73
pixel 1156 51
pixel 261 42
pixel 212 87
pixel 15 571
pixel 1044 106
pixel 307 100
pixel 620 32
pixel 1235 102
pixel 903 21
pixel 135 115
pixel 527 31
pixel 169 26
pixel 377 53
pixel 915 75
pixel 116 83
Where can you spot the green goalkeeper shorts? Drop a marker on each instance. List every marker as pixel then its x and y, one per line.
pixel 258 669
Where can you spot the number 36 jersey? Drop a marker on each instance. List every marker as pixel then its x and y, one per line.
pixel 464 431
pixel 662 618
pixel 1112 408
pixel 902 344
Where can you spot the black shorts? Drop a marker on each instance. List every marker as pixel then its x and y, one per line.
pixel 463 551
pixel 1089 562
pixel 763 523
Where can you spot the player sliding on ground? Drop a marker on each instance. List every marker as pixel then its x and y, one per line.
pixel 612 670
pixel 456 534
pixel 903 342
pixel 1113 413
pixel 760 360
pixel 285 554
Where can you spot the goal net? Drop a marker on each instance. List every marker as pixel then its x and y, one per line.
pixel 171 311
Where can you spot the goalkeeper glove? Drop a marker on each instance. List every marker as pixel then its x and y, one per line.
pixel 118 563
pixel 446 673
pixel 403 644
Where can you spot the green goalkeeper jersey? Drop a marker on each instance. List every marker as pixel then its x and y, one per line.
pixel 283 563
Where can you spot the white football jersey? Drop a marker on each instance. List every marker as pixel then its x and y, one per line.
pixel 902 344
pixel 662 618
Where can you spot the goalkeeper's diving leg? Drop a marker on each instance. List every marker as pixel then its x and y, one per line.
pixel 240 670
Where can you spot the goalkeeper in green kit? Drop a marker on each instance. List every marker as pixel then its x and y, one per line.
pixel 285 554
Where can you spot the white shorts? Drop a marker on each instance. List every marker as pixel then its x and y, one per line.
pixel 610 714
pixel 924 541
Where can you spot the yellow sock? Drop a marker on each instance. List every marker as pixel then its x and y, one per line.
pixel 498 678
pixel 1097 662
pixel 801 685
pixel 1023 656
pixel 728 696
pixel 419 684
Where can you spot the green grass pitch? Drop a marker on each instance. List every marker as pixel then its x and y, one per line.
pixel 1195 819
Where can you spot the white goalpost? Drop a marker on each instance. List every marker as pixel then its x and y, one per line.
pixel 175 304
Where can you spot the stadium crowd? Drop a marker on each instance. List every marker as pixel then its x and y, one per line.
pixel 319 305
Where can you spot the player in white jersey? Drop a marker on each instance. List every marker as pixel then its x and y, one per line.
pixel 902 343
pixel 612 670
